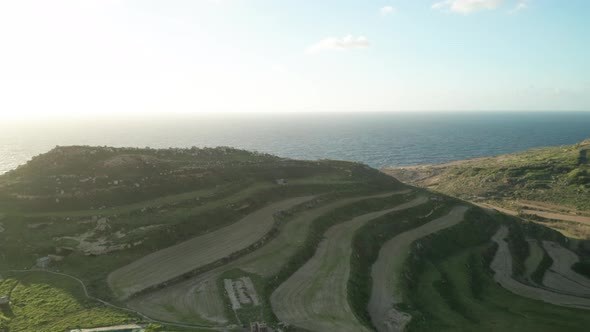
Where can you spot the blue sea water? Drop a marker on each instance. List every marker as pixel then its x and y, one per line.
pixel 377 139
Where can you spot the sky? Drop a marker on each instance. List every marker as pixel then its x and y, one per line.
pixel 91 57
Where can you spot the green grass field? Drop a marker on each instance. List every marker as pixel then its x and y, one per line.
pixel 48 303
pixel 450 300
pixel 449 287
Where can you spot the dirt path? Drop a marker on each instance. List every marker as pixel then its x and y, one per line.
pixel 560 275
pixel 171 262
pixel 315 297
pixel 559 216
pixel 388 266
pixel 200 300
pixel 543 206
pixel 502 267
pixel 497 208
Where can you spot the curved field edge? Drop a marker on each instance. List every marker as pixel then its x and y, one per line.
pixel 368 241
pixel 561 277
pixel 448 285
pixel 182 222
pixel 315 296
pixel 316 232
pixel 180 300
pixel 386 272
pixel 185 257
pixel 209 217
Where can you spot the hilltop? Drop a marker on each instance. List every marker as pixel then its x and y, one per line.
pixel 544 184
pixel 83 177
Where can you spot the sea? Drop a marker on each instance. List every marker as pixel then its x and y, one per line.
pixel 376 139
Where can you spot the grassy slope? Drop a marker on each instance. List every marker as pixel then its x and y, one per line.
pixel 558 175
pixel 449 287
pixel 46 303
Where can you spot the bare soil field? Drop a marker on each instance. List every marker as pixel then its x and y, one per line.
pixel 502 267
pixel 315 297
pixel 171 262
pixel 386 270
pixel 200 300
pixel 560 275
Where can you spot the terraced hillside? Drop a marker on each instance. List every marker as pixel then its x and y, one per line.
pixel 92 211
pixel 234 238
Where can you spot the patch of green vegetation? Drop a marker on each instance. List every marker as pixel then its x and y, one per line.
pixel 496 310
pixel 544 265
pixel 50 303
pixel 582 268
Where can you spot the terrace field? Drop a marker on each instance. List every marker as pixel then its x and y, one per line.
pixel 216 239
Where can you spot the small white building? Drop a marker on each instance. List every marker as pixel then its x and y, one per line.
pixel 43 262
pixel 118 328
pixel 259 327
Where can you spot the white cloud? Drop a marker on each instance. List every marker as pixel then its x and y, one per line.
pixel 519 6
pixel 386 10
pixel 466 6
pixel 345 43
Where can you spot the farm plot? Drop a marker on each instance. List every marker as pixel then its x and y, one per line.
pixel 195 301
pixel 174 261
pixel 386 270
pixel 502 267
pixel 199 300
pixel 560 275
pixel 268 260
pixel 315 297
